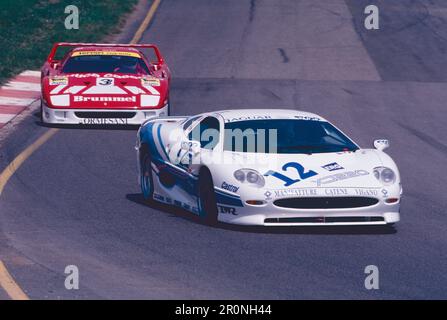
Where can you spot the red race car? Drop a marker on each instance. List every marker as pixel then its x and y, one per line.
pixel 102 84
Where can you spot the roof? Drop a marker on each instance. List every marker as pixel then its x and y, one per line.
pixel 260 114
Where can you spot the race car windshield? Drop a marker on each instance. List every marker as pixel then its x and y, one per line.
pixel 105 64
pixel 285 136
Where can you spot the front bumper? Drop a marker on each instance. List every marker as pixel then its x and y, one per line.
pixel 100 116
pixel 269 214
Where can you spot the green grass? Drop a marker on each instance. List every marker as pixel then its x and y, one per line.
pixel 28 28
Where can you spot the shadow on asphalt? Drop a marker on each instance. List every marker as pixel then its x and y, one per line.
pixel 326 230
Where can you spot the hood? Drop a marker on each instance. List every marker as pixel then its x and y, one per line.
pixel 341 169
pixel 105 91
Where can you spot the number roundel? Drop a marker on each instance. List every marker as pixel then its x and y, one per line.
pixel 288 181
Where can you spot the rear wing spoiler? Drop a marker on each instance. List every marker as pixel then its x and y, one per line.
pixel 58 45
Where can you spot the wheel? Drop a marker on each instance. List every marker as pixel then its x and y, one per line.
pixel 207 198
pixel 146 179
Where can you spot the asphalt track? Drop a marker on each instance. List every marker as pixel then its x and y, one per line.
pixel 76 200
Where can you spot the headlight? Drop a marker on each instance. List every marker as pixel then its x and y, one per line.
pixel 250 176
pixel 61 100
pixel 385 175
pixel 239 175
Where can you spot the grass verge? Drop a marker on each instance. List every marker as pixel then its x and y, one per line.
pixel 28 28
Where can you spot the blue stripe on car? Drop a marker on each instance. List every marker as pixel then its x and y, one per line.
pixel 229 199
pixel 186 181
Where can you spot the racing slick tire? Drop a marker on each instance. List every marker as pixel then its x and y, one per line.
pixel 169 107
pixel 41 112
pixel 146 178
pixel 207 198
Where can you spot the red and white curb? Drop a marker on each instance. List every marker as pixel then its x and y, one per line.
pixel 18 94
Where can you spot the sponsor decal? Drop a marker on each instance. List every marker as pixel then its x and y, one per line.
pixel 227 210
pixel 267 195
pixel 159 197
pixel 307 118
pixel 106 53
pixel 295 192
pixel 229 187
pixel 324 192
pixel 336 192
pixel 243 118
pixel 384 193
pixel 57 81
pixel 340 176
pixel 177 203
pixel 366 192
pixel 153 82
pixel 96 75
pixel 301 172
pixel 104 121
pixel 332 166
pixel 104 99
pixel 105 81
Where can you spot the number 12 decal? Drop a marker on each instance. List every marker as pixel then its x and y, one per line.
pixel 302 173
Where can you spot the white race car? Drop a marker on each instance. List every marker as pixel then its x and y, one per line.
pixel 267 168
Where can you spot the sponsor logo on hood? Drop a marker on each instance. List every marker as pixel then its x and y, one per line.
pixel 341 176
pixel 153 82
pixel 332 166
pixel 57 81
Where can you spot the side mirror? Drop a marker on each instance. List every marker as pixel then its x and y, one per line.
pixel 192 146
pixel 155 67
pixel 55 65
pixel 381 144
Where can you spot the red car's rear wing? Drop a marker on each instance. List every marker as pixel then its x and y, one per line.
pixel 58 45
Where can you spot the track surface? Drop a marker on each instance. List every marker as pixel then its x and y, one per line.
pixel 76 200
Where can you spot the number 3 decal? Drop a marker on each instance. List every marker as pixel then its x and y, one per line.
pixel 302 173
pixel 105 82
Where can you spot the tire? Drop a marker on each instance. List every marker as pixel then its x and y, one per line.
pixel 41 112
pixel 169 107
pixel 146 178
pixel 207 198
